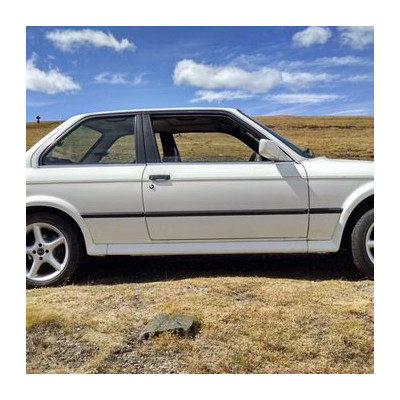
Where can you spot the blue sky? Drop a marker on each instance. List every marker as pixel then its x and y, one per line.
pixel 261 70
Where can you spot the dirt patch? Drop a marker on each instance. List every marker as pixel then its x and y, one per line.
pixel 49 349
pixel 138 357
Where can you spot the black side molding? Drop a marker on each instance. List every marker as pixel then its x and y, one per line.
pixel 326 210
pixel 215 213
pixel 113 215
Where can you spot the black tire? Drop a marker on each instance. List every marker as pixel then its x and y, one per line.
pixel 54 250
pixel 361 251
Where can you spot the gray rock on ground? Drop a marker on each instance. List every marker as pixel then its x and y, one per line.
pixel 180 324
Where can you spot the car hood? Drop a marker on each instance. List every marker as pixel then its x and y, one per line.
pixel 322 167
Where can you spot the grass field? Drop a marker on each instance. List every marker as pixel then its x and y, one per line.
pixel 349 137
pixel 256 314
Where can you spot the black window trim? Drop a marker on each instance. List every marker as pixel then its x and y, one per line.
pixel 139 142
pixel 151 149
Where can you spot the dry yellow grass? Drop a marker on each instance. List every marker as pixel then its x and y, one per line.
pixel 256 314
pixel 337 137
pixel 34 131
pixel 247 325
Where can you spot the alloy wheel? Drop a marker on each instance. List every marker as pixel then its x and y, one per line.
pixel 47 252
pixel 369 242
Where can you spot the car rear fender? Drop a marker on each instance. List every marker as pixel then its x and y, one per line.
pixel 54 203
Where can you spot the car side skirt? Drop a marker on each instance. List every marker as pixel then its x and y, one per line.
pixel 218 247
pixel 207 247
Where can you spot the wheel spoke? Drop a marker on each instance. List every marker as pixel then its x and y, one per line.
pixel 369 242
pixel 38 234
pixel 55 243
pixel 29 250
pixel 34 268
pixel 54 263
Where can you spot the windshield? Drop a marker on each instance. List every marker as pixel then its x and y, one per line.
pixel 307 153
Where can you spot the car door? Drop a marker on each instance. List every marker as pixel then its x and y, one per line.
pixel 213 191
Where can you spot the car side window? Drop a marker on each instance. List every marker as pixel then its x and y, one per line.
pixel 120 151
pixel 202 139
pixel 100 140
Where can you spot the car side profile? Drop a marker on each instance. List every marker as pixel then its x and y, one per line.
pixel 187 181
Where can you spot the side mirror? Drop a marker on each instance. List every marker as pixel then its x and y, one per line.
pixel 269 149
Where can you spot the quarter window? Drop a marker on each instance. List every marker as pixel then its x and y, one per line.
pixel 104 140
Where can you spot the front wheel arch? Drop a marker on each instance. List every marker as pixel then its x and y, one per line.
pixel 366 205
pixel 362 243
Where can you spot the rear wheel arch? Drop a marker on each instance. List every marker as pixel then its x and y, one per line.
pixel 62 214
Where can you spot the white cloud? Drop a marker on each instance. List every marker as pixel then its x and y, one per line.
pixel 310 36
pixel 211 96
pixel 70 39
pixel 324 62
pixel 356 37
pixel 341 61
pixel 360 78
pixel 220 83
pixel 301 79
pixel 354 111
pixel 249 61
pixel 118 79
pixel 138 79
pixel 310 98
pixel 189 72
pixel 111 79
pixel 50 82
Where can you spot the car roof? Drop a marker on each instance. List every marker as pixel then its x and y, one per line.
pixel 177 109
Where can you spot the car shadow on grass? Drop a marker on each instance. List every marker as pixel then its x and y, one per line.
pixel 119 270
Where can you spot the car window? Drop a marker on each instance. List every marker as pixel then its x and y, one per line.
pixel 207 147
pixel 120 151
pixel 101 140
pixel 202 139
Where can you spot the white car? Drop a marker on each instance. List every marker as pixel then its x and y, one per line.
pixel 187 181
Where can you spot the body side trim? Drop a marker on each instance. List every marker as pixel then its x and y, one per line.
pixel 206 213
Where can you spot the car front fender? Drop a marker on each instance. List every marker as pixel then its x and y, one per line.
pixel 354 199
pixel 349 205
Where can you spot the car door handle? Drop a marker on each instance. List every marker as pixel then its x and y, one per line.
pixel 159 177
